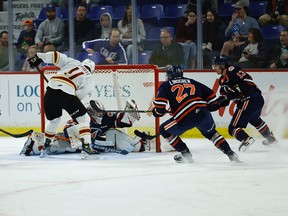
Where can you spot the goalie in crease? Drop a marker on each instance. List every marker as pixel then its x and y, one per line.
pixel 104 132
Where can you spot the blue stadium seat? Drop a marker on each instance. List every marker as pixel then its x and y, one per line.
pixel 84 55
pixel 42 14
pixel 270 32
pixel 152 10
pixel 97 11
pixel 256 9
pixel 226 9
pixel 154 32
pixel 169 21
pixel 151 44
pixel 143 57
pixel 119 11
pixel 175 10
pixel 65 14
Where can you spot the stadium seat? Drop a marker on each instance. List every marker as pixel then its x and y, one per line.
pixel 152 10
pixel 226 9
pixel 65 14
pixel 85 55
pixel 143 57
pixel 97 11
pixel 119 11
pixel 256 9
pixel 154 32
pixel 169 21
pixel 270 32
pixel 175 10
pixel 151 44
pixel 42 14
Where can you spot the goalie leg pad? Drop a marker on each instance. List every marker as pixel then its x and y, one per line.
pixel 122 140
pixel 132 106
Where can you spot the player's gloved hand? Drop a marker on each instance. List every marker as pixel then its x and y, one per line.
pixel 220 102
pixel 156 114
pixel 34 61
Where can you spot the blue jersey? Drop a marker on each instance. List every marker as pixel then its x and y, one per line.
pixel 117 53
pixel 238 85
pixel 184 95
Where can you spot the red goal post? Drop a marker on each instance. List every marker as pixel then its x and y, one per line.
pixel 114 85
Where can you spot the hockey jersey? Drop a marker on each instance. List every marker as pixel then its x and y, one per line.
pixel 184 95
pixel 72 78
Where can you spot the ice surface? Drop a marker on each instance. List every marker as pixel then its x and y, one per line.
pixel 146 183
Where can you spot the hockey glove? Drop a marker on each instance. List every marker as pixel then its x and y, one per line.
pixel 35 61
pixel 156 114
pixel 220 102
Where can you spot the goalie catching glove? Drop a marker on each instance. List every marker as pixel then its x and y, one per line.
pixel 34 61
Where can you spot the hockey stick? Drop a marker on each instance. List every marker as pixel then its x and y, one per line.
pixel 42 74
pixel 17 135
pixel 97 109
pixel 99 147
pixel 145 136
pixel 107 149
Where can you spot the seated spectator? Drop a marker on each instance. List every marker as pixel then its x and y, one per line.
pixel 206 5
pixel 253 53
pixel 83 27
pixel 32 50
pixel 26 37
pixel 4 51
pixel 186 35
pixel 168 52
pixel 111 50
pixel 104 27
pixel 50 33
pixel 213 37
pixel 280 58
pixel 125 27
pixel 238 27
pixel 276 13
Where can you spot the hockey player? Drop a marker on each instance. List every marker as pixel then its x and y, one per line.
pixel 238 86
pixel 103 133
pixel 188 102
pixel 65 90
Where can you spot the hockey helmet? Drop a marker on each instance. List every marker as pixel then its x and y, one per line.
pixel 220 60
pixel 174 71
pixel 95 114
pixel 89 64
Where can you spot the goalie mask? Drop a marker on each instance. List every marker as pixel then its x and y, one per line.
pixel 97 116
pixel 89 64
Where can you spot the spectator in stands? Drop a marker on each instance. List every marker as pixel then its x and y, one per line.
pixel 238 27
pixel 4 51
pixel 83 27
pixel 104 27
pixel 168 53
pixel 213 37
pixel 186 35
pixel 111 50
pixel 206 4
pixel 276 13
pixel 280 59
pixel 125 27
pixel 26 37
pixel 32 50
pixel 253 53
pixel 50 33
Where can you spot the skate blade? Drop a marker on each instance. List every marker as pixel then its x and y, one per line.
pixel 85 156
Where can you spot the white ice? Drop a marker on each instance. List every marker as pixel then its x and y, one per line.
pixel 146 183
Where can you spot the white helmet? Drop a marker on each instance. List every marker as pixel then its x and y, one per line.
pixel 90 64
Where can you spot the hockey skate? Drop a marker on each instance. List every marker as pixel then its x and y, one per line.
pixel 28 147
pixel 184 157
pixel 87 152
pixel 233 157
pixel 270 140
pixel 46 149
pixel 246 143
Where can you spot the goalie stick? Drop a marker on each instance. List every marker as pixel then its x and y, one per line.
pixel 17 135
pixel 145 136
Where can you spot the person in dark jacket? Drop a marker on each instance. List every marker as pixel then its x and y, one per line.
pixel 280 59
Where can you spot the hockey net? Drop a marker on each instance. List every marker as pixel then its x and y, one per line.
pixel 114 85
